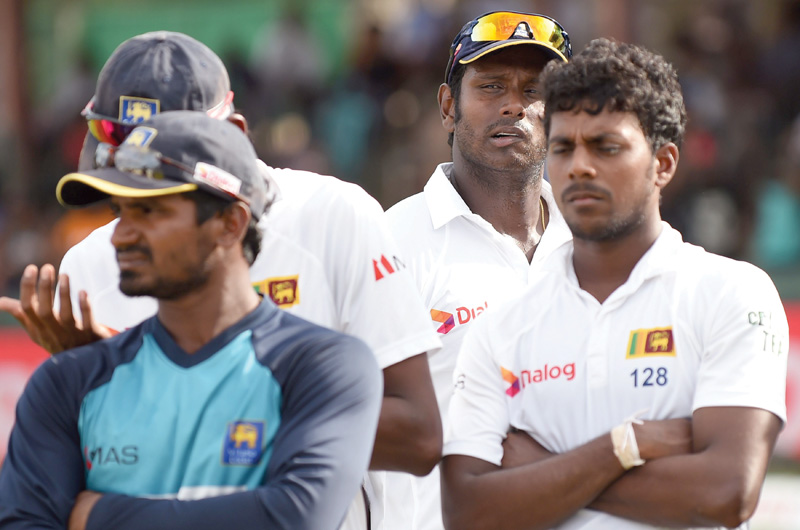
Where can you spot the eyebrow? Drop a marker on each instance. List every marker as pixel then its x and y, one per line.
pixel 596 139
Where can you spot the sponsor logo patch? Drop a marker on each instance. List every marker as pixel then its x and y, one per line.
pixel 217 178
pixel 512 380
pixel 284 291
pixel 127 455
pixel 655 342
pixel 244 443
pixel 447 320
pixel 547 372
pixel 133 110
pixel 463 315
pixel 383 267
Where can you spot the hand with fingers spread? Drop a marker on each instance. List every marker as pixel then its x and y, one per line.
pixel 34 310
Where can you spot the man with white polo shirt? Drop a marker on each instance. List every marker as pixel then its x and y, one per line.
pixel 474 237
pixel 327 256
pixel 646 376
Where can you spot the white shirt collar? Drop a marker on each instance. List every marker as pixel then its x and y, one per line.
pixel 444 202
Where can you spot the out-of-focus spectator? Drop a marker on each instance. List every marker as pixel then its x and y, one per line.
pixel 776 238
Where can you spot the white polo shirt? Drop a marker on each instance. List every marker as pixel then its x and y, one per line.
pixel 687 330
pixel 463 267
pixel 327 256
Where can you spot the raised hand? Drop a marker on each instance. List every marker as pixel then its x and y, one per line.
pixel 34 310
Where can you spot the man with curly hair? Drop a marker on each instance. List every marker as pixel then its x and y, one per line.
pixel 648 389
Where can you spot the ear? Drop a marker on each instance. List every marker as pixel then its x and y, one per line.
pixel 447 108
pixel 233 224
pixel 238 120
pixel 666 163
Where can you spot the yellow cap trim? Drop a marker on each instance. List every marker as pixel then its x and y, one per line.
pixel 118 190
pixel 513 43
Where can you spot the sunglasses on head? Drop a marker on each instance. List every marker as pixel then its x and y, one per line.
pixel 138 160
pixel 114 131
pixel 505 25
pixel 153 164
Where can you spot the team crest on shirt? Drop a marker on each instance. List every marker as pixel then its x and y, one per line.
pixel 655 342
pixel 244 443
pixel 133 110
pixel 284 291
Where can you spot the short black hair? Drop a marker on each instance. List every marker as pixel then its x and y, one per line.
pixel 619 77
pixel 208 206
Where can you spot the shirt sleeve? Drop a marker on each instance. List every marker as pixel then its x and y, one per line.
pixel 322 449
pixel 43 470
pixel 91 266
pixel 376 295
pixel 745 347
pixel 479 418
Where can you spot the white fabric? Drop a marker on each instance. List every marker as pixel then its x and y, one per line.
pixel 323 248
pixel 573 375
pixel 462 266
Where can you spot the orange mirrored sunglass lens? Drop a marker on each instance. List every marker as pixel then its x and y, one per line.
pixel 501 26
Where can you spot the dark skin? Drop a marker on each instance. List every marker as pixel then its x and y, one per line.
pixel 590 159
pixel 201 313
pixel 705 486
pixel 499 144
pixel 607 180
pixel 409 436
pixel 479 495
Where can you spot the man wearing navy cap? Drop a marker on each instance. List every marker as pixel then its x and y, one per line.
pixel 328 257
pixel 221 411
pixel 474 237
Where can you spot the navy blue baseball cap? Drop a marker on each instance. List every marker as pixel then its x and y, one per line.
pixel 156 72
pixel 173 152
pixel 500 29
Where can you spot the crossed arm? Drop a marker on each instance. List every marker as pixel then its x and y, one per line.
pixel 709 474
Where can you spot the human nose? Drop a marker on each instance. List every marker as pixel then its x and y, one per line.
pixel 581 164
pixel 124 233
pixel 515 104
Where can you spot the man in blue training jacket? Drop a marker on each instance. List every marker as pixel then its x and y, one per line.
pixel 219 412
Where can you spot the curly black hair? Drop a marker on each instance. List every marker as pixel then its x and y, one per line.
pixel 619 77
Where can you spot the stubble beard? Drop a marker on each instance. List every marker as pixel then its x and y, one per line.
pixel 191 277
pixel 520 171
pixel 161 288
pixel 614 229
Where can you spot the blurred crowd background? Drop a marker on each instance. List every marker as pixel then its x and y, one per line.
pixel 348 87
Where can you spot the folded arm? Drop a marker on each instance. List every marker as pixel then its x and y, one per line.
pixel 477 494
pixel 717 483
pixel 409 430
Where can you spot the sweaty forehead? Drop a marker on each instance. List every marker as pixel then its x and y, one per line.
pixel 512 60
